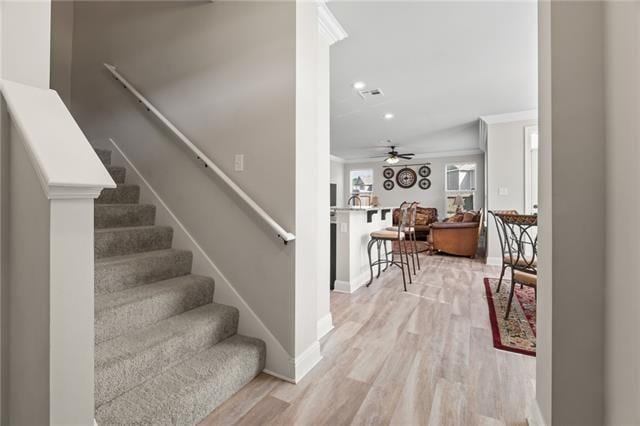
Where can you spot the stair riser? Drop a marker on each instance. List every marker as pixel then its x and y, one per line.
pixel 118 174
pixel 187 393
pixel 131 240
pixel 121 215
pixel 115 276
pixel 119 320
pixel 104 156
pixel 116 378
pixel 123 194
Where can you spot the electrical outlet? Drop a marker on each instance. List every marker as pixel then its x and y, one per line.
pixel 239 163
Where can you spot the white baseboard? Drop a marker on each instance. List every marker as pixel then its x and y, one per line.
pixel 353 284
pixel 534 415
pixel 494 261
pixel 279 362
pixel 307 360
pixel 325 325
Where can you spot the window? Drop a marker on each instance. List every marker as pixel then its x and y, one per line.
pixel 361 181
pixel 461 177
pixel 460 186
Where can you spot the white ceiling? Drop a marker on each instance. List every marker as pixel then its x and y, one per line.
pixel 441 65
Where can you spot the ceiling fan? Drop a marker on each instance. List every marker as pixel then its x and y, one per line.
pixel 394 156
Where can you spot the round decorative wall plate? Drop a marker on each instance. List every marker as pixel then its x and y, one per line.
pixel 388 185
pixel 388 172
pixel 424 183
pixel 406 178
pixel 424 171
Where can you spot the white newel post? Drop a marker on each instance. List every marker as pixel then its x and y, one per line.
pixel 52 176
pixel 71 305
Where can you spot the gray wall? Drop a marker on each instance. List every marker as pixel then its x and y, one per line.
pixel 622 353
pixel 337 177
pixel 62 47
pixel 570 385
pixel 224 73
pixel 505 169
pixel 432 197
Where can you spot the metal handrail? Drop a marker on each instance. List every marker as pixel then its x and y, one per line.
pixel 284 235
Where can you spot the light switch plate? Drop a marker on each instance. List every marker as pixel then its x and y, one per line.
pixel 239 163
pixel 343 227
pixel 503 191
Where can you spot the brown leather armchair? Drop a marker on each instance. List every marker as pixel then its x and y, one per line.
pixel 425 216
pixel 458 237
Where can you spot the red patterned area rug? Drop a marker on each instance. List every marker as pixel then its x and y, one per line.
pixel 518 333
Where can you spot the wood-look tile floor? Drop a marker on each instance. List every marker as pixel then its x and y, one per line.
pixel 424 357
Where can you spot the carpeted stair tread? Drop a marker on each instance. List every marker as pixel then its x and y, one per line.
pixel 124 311
pixel 186 393
pixel 117 173
pixel 104 155
pixel 123 215
pixel 136 239
pixel 126 361
pixel 123 194
pixel 122 272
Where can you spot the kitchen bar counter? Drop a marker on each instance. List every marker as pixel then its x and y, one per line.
pixel 353 226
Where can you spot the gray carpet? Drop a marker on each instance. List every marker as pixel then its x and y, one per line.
pixel 165 352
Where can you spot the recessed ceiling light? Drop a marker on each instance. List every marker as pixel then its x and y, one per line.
pixel 359 85
pixel 388 116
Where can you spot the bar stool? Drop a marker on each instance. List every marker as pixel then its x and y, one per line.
pixel 410 229
pixel 381 237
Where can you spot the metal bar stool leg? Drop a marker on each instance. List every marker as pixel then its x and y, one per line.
pixel 379 258
pixel 406 255
pixel 413 258
pixel 404 281
pixel 386 256
pixel 415 248
pixel 373 240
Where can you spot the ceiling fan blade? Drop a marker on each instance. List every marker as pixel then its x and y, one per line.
pixel 405 157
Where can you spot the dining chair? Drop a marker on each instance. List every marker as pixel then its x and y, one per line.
pixel 504 251
pixel 521 232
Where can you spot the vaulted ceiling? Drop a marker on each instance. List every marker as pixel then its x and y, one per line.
pixel 440 65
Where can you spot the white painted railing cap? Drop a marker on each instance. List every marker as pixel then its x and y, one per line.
pixel 67 165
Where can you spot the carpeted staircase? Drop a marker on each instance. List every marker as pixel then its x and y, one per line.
pixel 165 352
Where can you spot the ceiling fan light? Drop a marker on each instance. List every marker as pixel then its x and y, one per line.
pixel 392 160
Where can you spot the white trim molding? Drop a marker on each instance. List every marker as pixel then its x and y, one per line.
pixel 307 360
pixel 329 25
pixel 353 284
pixel 337 159
pixel 494 261
pixel 325 325
pixel 534 415
pixel 510 116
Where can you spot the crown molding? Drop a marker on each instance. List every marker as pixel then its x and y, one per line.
pixel 510 117
pixel 425 156
pixel 337 159
pixel 329 25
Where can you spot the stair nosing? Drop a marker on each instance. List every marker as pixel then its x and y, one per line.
pixel 139 255
pixel 144 288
